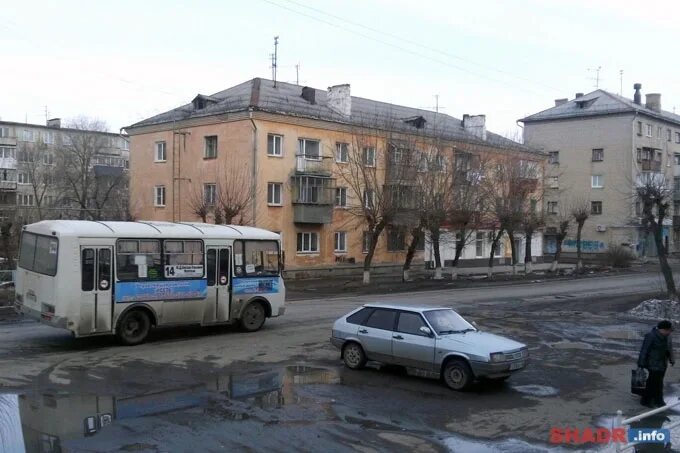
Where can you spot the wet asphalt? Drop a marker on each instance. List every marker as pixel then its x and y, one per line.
pixel 284 388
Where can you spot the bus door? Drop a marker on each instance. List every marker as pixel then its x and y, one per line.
pixel 219 284
pixel 96 309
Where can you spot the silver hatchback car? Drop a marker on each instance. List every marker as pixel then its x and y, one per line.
pixel 436 340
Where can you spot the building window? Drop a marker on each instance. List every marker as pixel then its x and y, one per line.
pixel 210 194
pixel 369 198
pixel 4 132
pixel 308 242
pixel 552 207
pixel 554 182
pixel 275 145
pixel 676 158
pixel 677 137
pixel 341 197
pixel 274 193
pixel 650 129
pixel 669 135
pixel 366 241
pixel 340 241
pixel 596 207
pixel 310 149
pixel 48 159
pixel 7 153
pixel 396 240
pixel 639 127
pixel 210 151
pixel 598 155
pixel 368 157
pixel 159 196
pixel 554 157
pixel 597 181
pixel 659 132
pixel 161 152
pixel 28 136
pixel 479 244
pixel 24 199
pixel 342 153
pixel 48 137
pixel 24 178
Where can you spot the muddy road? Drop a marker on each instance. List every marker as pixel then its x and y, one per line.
pixel 218 389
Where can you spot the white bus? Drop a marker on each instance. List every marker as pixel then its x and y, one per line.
pixel 123 278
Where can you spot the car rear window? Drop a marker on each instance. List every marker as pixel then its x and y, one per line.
pixel 360 316
pixel 381 319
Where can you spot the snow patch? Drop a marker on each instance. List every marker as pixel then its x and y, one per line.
pixel 536 390
pixel 657 309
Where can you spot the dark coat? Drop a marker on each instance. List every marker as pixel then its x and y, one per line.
pixel 656 351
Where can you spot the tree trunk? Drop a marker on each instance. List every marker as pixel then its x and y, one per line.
pixel 434 236
pixel 494 244
pixel 579 260
pixel 375 234
pixel 657 231
pixel 527 253
pixel 410 252
pixel 557 256
pixel 513 251
pixel 460 245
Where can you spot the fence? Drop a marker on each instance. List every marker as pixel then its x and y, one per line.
pixel 621 422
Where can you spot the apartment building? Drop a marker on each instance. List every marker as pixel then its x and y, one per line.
pixel 292 145
pixel 29 177
pixel 600 146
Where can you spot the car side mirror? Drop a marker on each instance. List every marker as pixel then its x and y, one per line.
pixel 425 331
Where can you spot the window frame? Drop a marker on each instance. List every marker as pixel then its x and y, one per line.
pixel 271 201
pixel 339 153
pixel 212 200
pixel 380 309
pixel 275 138
pixel 157 148
pixel 649 130
pixel 156 196
pixel 340 194
pixel 32 268
pixel 593 211
pixel 208 151
pixel 554 157
pixel 300 243
pixel 552 207
pixel 240 268
pixel 368 151
pixel 597 155
pixel 601 181
pixel 340 237
pixel 302 148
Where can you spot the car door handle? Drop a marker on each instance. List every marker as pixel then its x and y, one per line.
pixel 363 331
pixel 398 337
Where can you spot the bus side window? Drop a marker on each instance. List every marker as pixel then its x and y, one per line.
pixel 224 266
pixel 104 273
pixel 87 270
pixel 212 266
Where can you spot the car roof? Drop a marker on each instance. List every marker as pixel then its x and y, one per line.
pixel 418 308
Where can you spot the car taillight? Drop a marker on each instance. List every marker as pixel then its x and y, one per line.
pixel 47 308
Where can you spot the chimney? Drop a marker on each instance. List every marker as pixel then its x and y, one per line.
pixel 579 95
pixel 309 94
pixel 475 125
pixel 637 98
pixel 339 100
pixel 653 101
pixel 560 101
pixel 54 122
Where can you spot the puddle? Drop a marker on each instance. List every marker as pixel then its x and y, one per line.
pixel 536 390
pixel 44 422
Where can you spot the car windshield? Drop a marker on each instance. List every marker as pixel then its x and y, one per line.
pixel 448 321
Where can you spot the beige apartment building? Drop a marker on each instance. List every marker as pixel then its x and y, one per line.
pixel 600 146
pixel 287 146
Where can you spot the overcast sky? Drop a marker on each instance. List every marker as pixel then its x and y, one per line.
pixel 127 60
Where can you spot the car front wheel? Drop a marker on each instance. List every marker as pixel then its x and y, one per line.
pixel 353 355
pixel 457 375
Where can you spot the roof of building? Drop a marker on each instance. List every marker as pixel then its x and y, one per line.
pixel 286 99
pixel 55 128
pixel 598 102
pixel 147 229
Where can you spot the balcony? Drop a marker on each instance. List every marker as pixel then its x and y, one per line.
pixel 312 165
pixel 650 165
pixel 313 198
pixel 8 185
pixel 8 141
pixel 401 173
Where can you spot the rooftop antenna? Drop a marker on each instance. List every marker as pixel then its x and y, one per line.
pixel 620 82
pixel 297 74
pixel 47 115
pixel 274 59
pixel 597 76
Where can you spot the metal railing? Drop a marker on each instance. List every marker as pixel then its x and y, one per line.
pixel 621 422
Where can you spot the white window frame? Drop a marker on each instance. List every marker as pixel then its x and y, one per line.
pixel 302 148
pixel 339 154
pixel 368 202
pixel 554 182
pixel 340 242
pixel 210 193
pixel 650 130
pixel 4 132
pixel 159 194
pixel 341 195
pixel 676 158
pixel 276 139
pixel 272 189
pixel 365 153
pixel 209 153
pixel 312 242
pixel 25 199
pixel 48 138
pixel 158 146
pixel 48 158
pixel 23 178
pixel 479 244
pixel 28 135
pixel 597 181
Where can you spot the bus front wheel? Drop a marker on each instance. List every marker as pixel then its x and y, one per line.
pixel 253 317
pixel 134 327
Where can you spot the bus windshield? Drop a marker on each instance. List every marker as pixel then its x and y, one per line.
pixel 39 253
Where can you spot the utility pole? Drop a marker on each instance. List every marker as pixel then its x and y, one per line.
pixel 47 115
pixel 275 59
pixel 179 143
pixel 436 103
pixel 297 74
pixel 620 82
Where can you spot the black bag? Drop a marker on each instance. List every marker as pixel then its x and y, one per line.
pixel 638 381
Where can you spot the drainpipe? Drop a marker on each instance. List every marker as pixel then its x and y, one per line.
pixel 254 169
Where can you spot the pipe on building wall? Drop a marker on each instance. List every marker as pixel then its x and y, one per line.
pixel 254 170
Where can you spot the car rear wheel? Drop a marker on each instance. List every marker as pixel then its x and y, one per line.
pixel 134 327
pixel 353 355
pixel 457 375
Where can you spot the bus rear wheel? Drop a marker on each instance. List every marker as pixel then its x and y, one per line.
pixel 133 327
pixel 253 317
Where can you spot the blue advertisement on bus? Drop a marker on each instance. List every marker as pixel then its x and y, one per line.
pixel 261 285
pixel 161 290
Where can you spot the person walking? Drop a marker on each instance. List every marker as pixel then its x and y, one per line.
pixel 655 354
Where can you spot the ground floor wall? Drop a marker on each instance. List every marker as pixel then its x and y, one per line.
pixel 635 238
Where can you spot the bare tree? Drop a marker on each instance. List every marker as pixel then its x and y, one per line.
pixel 561 226
pixel 235 195
pixel 36 163
pixel 580 211
pixel 655 196
pixel 533 220
pixel 199 202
